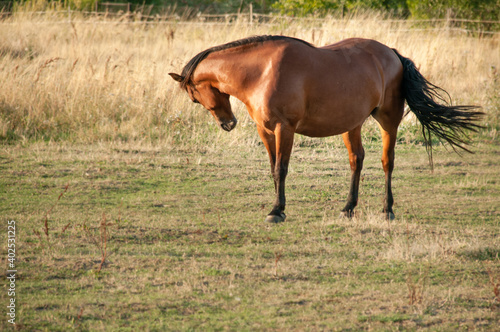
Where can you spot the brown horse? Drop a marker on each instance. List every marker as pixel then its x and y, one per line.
pixel 290 86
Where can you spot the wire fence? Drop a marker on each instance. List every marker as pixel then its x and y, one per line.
pixel 149 14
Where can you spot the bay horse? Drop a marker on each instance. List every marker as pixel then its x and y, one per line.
pixel 289 86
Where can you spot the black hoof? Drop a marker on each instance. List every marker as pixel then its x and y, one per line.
pixel 274 219
pixel 347 214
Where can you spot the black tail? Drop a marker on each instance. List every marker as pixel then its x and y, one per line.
pixel 437 116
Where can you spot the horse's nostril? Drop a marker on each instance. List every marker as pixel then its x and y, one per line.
pixel 228 126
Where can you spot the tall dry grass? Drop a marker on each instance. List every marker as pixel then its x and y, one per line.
pixel 90 79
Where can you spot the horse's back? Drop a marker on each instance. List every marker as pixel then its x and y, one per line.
pixel 366 55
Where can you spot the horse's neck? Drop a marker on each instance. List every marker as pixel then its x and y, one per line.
pixel 234 73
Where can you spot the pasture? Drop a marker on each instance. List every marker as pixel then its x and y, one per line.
pixel 134 210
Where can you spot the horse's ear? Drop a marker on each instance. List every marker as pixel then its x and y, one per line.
pixel 176 77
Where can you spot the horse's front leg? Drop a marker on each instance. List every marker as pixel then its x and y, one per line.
pixel 279 147
pixel 269 140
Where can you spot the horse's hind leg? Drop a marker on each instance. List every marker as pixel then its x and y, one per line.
pixel 352 141
pixel 389 142
pixel 389 119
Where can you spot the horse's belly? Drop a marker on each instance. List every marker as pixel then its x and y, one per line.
pixel 323 124
pixel 318 130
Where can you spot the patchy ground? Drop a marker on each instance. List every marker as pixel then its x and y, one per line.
pixel 152 238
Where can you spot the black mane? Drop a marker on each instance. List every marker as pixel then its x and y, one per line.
pixel 193 63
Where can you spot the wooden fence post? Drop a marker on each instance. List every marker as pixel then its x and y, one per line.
pixel 251 14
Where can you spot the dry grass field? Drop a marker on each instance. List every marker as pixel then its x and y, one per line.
pixel 135 211
pixel 99 79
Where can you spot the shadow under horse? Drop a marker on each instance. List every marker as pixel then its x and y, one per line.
pixel 289 86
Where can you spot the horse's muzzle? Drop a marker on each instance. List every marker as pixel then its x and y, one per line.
pixel 228 126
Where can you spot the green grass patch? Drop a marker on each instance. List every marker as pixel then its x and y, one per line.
pixel 185 245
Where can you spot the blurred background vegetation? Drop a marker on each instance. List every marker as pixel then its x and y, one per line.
pixel 416 9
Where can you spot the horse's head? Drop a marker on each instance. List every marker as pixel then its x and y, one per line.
pixel 212 99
